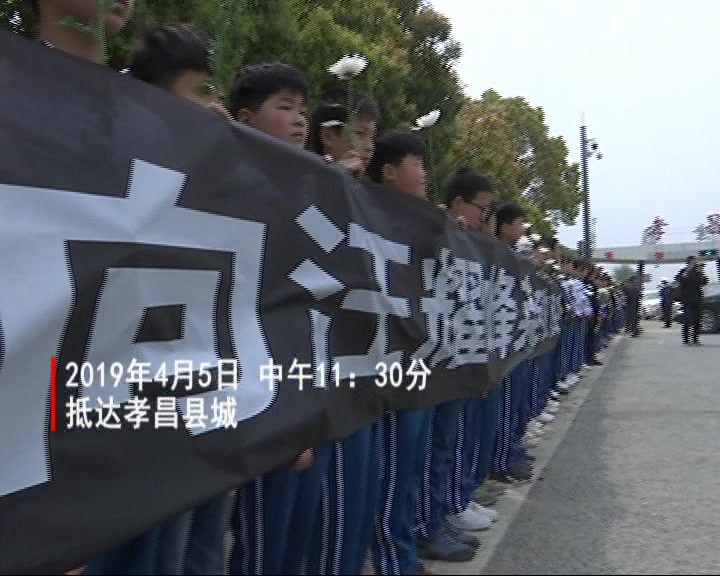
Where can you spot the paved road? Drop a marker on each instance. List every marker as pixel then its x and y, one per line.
pixel 634 485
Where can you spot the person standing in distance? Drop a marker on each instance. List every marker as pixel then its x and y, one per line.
pixel 690 281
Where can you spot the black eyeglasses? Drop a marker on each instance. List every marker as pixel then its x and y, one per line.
pixel 485 211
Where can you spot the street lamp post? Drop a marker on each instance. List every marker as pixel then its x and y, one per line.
pixel 588 149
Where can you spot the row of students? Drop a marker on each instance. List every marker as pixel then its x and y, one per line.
pixel 402 487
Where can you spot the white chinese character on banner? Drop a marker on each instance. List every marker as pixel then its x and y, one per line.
pixel 503 312
pixel 78 413
pixel 438 308
pixel 543 323
pixel 328 236
pixel 148 219
pixel 223 412
pixel 320 284
pixel 166 415
pixel 456 311
pixel 471 342
pixel 108 416
pixel 379 303
pixel 529 316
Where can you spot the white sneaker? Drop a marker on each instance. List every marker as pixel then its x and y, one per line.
pixel 546 418
pixel 537 428
pixel 470 520
pixel 531 441
pixel 489 512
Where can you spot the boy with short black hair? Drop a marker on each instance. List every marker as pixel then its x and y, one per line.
pixel 177 59
pixel 470 196
pixel 399 165
pixel 399 162
pixel 458 430
pixel 510 222
pixel 272 97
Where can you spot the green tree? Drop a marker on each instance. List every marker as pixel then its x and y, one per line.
pixel 412 58
pixel 509 140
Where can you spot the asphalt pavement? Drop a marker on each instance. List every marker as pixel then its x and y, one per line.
pixel 628 476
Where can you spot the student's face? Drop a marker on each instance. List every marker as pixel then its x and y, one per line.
pixel 336 145
pixel 283 115
pixel 475 211
pixel 513 231
pixel 87 11
pixel 407 177
pixel 195 86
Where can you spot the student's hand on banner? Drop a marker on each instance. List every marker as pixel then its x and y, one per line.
pixel 303 461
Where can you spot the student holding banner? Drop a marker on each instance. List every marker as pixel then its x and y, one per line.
pixel 55 33
pixel 271 97
pixel 510 461
pixel 399 165
pixel 453 436
pixel 339 525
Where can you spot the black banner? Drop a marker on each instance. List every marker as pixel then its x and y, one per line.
pixel 157 260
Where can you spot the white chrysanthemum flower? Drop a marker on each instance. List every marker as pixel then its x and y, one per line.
pixel 557 267
pixel 524 241
pixel 551 262
pixel 535 237
pixel 348 66
pixel 332 124
pixel 527 225
pixel 430 119
pixel 543 250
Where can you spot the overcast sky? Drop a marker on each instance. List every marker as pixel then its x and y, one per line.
pixel 647 76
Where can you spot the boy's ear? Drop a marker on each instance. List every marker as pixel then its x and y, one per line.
pixel 388 172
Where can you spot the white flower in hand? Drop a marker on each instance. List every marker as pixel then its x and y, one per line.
pixel 430 119
pixel 348 66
